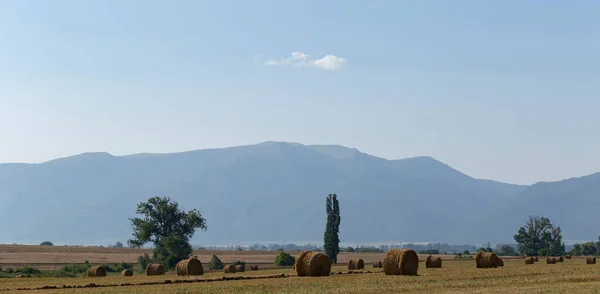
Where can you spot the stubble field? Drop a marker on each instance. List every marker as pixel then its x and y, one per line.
pixel 456 276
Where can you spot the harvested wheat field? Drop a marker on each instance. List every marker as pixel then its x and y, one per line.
pixel 460 276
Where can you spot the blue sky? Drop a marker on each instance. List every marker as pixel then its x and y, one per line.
pixel 506 90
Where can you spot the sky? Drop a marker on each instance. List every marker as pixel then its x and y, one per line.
pixel 503 90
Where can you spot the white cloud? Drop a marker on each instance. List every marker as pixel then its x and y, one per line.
pixel 301 59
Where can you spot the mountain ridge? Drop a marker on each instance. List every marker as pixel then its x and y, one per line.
pixel 244 188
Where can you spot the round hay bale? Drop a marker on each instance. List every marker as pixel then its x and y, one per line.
pixel 568 256
pixel 155 270
pixel 254 267
pixel 96 271
pixel 536 258
pixel 312 264
pixel 590 260
pixel 351 264
pixel 360 264
pixel 561 259
pixel 240 268
pixel 229 269
pixel 529 260
pixel 500 262
pixel 374 264
pixel 550 260
pixel 127 273
pixel 487 260
pixel 432 262
pixel 189 267
pixel 401 262
pixel 20 276
pixel 380 264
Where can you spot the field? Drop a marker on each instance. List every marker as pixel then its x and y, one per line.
pixel 456 276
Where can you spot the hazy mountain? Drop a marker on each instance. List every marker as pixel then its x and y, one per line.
pixel 276 191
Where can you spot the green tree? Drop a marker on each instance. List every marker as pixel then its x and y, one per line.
pixel 215 263
pixel 46 243
pixel 576 251
pixel 539 237
pixel 167 227
pixel 332 229
pixel 284 259
pixel 507 250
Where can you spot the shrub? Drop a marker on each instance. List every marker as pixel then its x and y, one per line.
pixel 284 259
pixel 238 262
pixel 215 263
pixel 29 271
pixel 46 243
pixel 144 260
pixel 75 268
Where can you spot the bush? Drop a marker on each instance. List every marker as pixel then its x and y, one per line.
pixel 144 260
pixel 46 243
pixel 75 268
pixel 238 262
pixel 9 270
pixel 284 259
pixel 29 271
pixel 215 263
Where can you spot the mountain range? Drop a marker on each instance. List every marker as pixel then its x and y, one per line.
pixel 276 191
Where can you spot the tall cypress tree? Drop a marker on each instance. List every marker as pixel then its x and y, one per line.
pixel 331 238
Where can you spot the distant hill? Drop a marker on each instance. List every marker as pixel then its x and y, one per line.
pixel 276 191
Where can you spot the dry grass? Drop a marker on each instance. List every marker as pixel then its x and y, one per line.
pixel 572 276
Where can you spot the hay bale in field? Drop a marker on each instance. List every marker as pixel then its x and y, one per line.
pixel 374 264
pixel 567 256
pixel 500 262
pixel 229 269
pixel 155 270
pixel 590 260
pixel 550 260
pixel 529 260
pixel 536 258
pixel 401 262
pixel 313 264
pixel 351 264
pixel 433 262
pixel 20 276
pixel 189 267
pixel 380 264
pixel 96 271
pixel 254 267
pixel 360 264
pixel 240 268
pixel 487 260
pixel 127 273
pixel 560 259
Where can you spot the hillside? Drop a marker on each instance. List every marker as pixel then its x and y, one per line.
pixel 271 191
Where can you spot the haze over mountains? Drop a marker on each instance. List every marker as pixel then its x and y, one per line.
pixel 276 191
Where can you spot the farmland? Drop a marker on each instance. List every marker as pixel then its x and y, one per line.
pixel 456 276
